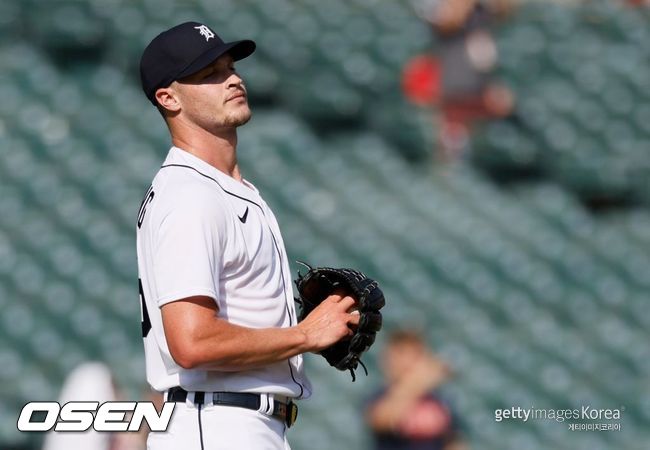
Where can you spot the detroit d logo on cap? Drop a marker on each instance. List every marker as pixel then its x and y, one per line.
pixel 205 31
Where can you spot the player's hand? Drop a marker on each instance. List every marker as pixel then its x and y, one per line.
pixel 331 321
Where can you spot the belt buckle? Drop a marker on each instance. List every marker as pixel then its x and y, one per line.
pixel 291 413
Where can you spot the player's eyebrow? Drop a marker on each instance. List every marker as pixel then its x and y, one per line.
pixel 219 64
pixel 206 71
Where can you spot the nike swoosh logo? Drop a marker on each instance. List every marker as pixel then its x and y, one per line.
pixel 243 218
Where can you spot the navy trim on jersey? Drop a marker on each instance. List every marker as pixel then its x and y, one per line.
pixel 200 426
pixel 275 244
pixel 214 179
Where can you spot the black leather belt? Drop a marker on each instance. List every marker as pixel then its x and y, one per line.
pixel 286 412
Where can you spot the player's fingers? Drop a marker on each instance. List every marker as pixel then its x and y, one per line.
pixel 354 318
pixel 336 296
pixel 347 302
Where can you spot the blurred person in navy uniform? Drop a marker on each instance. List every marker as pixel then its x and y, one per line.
pixel 408 413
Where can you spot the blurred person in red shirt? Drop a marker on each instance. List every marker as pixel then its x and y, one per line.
pixel 458 80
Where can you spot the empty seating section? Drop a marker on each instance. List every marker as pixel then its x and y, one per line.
pixel 581 77
pixel 533 299
pixel 338 64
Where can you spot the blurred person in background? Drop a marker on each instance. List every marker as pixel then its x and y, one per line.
pixel 459 79
pixel 93 382
pixel 408 413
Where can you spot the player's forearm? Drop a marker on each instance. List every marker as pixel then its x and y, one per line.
pixel 229 347
pixel 197 338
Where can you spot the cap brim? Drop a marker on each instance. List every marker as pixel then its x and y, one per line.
pixel 238 50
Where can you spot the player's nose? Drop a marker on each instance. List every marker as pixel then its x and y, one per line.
pixel 234 80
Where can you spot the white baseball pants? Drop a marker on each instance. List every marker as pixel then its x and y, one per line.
pixel 217 427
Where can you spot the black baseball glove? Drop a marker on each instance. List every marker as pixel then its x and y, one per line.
pixel 321 282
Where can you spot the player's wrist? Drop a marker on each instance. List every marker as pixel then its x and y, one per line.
pixel 302 340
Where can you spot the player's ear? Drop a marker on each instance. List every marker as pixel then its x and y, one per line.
pixel 168 99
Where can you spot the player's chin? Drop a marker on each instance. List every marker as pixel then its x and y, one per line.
pixel 239 117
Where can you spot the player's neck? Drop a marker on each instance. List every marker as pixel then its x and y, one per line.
pixel 217 149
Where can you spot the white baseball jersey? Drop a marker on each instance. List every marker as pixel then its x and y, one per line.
pixel 201 232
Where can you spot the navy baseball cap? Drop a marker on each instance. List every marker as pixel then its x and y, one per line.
pixel 181 51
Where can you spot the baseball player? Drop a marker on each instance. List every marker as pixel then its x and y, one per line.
pixel 218 320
